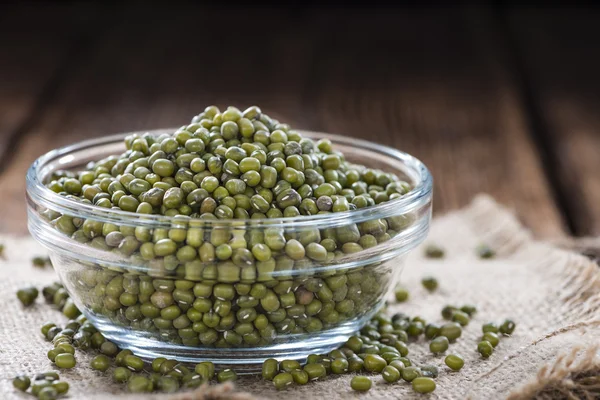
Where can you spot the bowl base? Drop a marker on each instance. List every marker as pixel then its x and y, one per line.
pixel 244 359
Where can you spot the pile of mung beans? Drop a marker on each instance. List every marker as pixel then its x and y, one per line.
pixel 235 286
pixel 44 386
pixel 381 348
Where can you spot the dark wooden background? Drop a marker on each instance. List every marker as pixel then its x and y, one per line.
pixel 497 99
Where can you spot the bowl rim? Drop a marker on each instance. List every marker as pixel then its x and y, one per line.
pixel 420 195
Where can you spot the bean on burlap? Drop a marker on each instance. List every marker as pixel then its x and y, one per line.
pixel 552 294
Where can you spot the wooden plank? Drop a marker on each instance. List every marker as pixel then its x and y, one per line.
pixel 559 51
pixel 416 80
pixel 159 71
pixel 35 42
pixel 430 83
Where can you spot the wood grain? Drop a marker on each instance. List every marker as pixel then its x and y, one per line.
pixel 559 51
pixel 35 41
pixel 144 74
pixel 418 80
pixel 431 83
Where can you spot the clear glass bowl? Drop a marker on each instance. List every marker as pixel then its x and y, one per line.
pixel 240 311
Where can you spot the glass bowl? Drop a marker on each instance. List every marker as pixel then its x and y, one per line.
pixel 193 307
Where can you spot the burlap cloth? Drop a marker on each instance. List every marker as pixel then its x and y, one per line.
pixel 552 294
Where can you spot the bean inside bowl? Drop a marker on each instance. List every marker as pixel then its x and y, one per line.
pixel 231 290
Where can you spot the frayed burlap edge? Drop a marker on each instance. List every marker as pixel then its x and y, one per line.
pixel 574 375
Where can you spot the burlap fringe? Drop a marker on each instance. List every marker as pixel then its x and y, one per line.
pixel 225 391
pixel 588 246
pixel 574 375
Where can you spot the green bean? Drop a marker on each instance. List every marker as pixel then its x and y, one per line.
pixel 120 357
pixel 65 361
pixel 507 327
pixel 21 382
pixel 469 309
pixel 485 252
pixel 410 373
pixel 361 383
pixel 398 364
pixel 490 327
pixel 39 262
pixel 315 371
pixel 282 380
pixel 485 348
pixel 433 251
pixel 461 317
pixel 46 327
pixel 374 363
pixel 454 362
pixel 27 295
pixel 134 363
pixel 401 294
pixel 121 374
pixel 439 344
pixel 429 283
pixel 226 375
pixel 139 384
pixel 109 348
pixel 39 385
pixel 431 331
pixel 423 385
pixel 300 377
pixel 100 363
pixel 168 384
pixel 60 387
pixel 492 338
pixel 269 369
pixel 206 370
pixel 451 330
pixel 390 374
pixel 339 366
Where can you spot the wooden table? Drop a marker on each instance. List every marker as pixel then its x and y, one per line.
pixel 497 100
